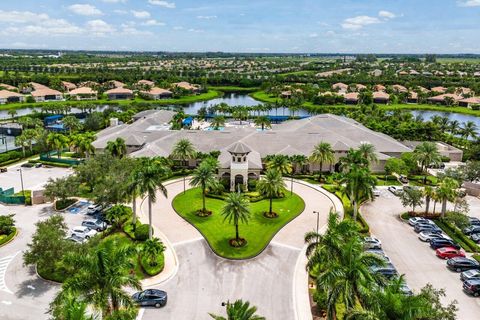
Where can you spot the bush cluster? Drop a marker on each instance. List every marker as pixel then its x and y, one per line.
pixel 141 233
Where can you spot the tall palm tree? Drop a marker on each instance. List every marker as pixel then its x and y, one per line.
pixel 359 185
pixel 283 165
pixel 298 161
pixel 57 141
pixel 447 191
pixel 322 153
pixel 151 249
pixel 71 123
pixel 427 154
pixel 204 177
pixel 70 308
pixel 183 150
pixel 454 126
pixel 101 276
pixel 428 193
pixel 271 186
pixel 367 150
pixel 239 310
pixel 117 148
pixel 217 122
pixel 263 122
pixel 133 191
pixel 151 175
pixel 236 210
pixel 21 141
pixel 469 130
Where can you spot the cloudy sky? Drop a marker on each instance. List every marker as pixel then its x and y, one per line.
pixel 357 26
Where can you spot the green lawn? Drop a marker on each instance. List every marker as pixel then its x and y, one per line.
pixel 258 232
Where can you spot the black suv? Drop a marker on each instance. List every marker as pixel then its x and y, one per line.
pixel 472 229
pixel 151 297
pixel 440 243
pixel 460 264
pixel 472 287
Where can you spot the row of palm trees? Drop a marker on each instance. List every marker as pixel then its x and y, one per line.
pixel 468 130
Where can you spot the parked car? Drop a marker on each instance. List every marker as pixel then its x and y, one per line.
pixel 474 221
pixel 395 190
pixel 3 169
pixel 427 227
pixel 470 275
pixel 76 238
pixel 427 236
pixel 151 297
pixel 460 264
pixel 388 271
pixel 475 237
pixel 376 192
pixel 405 289
pixel 95 224
pixel 449 252
pixel 372 243
pixel 83 232
pixel 94 208
pixel 473 229
pixel 403 179
pixel 472 287
pixel 380 253
pixel 413 221
pixel 27 165
pixel 441 243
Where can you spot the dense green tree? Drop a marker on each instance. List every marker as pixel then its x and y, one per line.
pixel 236 210
pixel 117 148
pixel 239 310
pixel 411 197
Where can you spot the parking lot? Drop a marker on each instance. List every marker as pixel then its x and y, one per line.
pixel 413 257
pixel 33 178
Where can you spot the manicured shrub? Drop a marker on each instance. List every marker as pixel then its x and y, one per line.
pixel 62 204
pixel 141 234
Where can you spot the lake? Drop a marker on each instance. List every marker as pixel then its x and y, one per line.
pixel 461 118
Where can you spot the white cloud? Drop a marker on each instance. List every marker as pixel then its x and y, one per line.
pixel 26 22
pixel 114 1
pixel 165 4
pixel 129 29
pixel 119 11
pixel 177 28
pixel 386 14
pixel 195 30
pixel 207 17
pixel 469 3
pixel 153 22
pixel 84 9
pixel 22 16
pixel 141 14
pixel 359 22
pixel 313 35
pixel 99 27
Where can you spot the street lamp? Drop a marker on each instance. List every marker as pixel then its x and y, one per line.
pixel 318 218
pixel 21 180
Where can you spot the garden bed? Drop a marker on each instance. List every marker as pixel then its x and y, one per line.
pixel 6 238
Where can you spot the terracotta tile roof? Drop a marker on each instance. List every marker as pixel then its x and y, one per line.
pixel 439 89
pixel 83 90
pixel 351 96
pixel 445 95
pixel 156 90
pixel 4 94
pixel 339 86
pixel 69 85
pixel 146 82
pixel 381 95
pixel 7 86
pixel 119 91
pixel 45 92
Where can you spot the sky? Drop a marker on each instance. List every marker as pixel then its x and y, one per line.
pixel 267 26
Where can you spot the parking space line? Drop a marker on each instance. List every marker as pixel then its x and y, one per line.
pixel 4 262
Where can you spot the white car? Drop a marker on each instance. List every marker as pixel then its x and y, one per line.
pixel 395 190
pixel 376 192
pixel 371 243
pixel 426 236
pixel 83 232
pixel 76 239
pixel 415 220
pixel 94 208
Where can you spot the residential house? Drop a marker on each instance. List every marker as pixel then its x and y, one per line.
pixel 68 86
pixel 444 99
pixel 352 98
pixel 147 83
pixel 7 96
pixel 469 102
pixel 119 94
pixel 7 87
pixel 84 93
pixel 340 87
pixel 440 90
pixel 381 97
pixel 46 94
pixel 399 88
pixel 157 93
pixel 412 97
pixel 379 87
pixel 187 86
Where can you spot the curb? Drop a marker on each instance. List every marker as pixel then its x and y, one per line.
pixel 11 239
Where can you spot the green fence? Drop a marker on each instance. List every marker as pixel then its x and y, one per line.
pixel 8 196
pixel 52 157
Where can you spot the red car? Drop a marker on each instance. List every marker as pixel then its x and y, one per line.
pixel 449 252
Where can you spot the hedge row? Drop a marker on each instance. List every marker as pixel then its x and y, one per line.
pixel 8 237
pixel 458 236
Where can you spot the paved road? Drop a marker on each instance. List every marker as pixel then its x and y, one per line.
pixel 204 280
pixel 23 296
pixel 412 257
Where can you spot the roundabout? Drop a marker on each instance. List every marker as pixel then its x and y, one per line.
pixel 275 280
pixel 257 233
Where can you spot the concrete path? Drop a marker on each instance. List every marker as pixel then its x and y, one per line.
pixel 275 281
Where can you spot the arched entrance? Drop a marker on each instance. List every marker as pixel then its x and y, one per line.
pixel 239 181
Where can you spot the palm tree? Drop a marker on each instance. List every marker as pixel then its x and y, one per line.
pixel 298 161
pixel 204 176
pixel 117 148
pixel 427 154
pixel 283 165
pixel 359 185
pixel 117 215
pixel 271 186
pixel 70 308
pixel 469 130
pixel 12 113
pixel 454 126
pixel 367 150
pixel 263 121
pixel 132 192
pixel 183 150
pixel 101 277
pixel 217 122
pixel 150 176
pixel 236 210
pixel 151 249
pixel 71 123
pixel 447 191
pixel 58 141
pixel 428 193
pixel 21 141
pixel 239 310
pixel 321 153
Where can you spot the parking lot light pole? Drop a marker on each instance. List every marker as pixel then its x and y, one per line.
pixel 318 218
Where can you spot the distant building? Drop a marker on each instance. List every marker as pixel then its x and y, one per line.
pixel 10 97
pixel 119 94
pixel 84 93
pixel 68 86
pixel 468 102
pixel 381 97
pixel 157 93
pixel 351 98
pixel 46 94
pixel 443 98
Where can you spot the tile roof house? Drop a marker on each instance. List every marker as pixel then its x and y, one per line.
pixel 399 88
pixel 9 97
pixel 7 87
pixel 157 93
pixel 439 89
pixel 412 97
pixel 186 86
pixel 379 87
pixel 443 98
pixel 68 86
pixel 468 102
pixel 84 93
pixel 146 83
pixel 119 94
pixel 340 86
pixel 46 94
pixel 381 97
pixel 351 98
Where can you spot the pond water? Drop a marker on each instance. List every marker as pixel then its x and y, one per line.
pixel 461 118
pixel 26 111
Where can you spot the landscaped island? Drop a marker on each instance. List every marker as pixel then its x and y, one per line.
pixel 258 232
